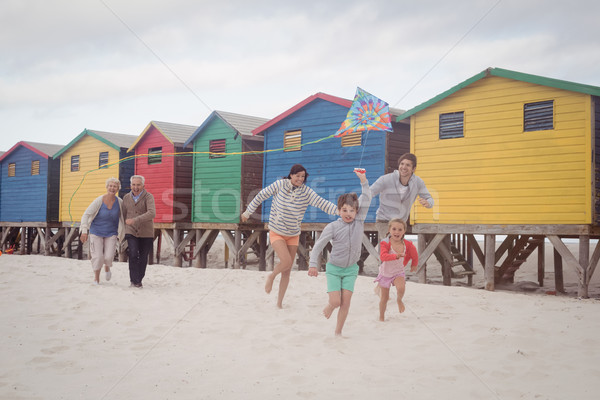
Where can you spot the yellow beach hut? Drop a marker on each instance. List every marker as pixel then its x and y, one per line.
pixel 85 164
pixel 509 153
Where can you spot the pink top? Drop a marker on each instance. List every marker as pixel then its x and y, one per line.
pixel 393 267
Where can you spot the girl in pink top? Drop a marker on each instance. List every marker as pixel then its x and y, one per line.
pixel 395 253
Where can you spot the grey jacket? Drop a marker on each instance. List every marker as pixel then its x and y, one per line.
pixel 346 238
pixel 391 203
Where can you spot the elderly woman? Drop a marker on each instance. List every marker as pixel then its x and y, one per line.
pixel 104 221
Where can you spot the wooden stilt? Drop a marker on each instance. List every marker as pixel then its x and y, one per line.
pixel 541 262
pixel 559 284
pixel 584 261
pixel 489 267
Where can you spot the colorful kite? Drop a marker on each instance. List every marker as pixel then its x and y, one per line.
pixel 366 113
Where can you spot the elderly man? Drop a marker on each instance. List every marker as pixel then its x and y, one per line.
pixel 139 212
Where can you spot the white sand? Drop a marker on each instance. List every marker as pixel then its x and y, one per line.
pixel 215 334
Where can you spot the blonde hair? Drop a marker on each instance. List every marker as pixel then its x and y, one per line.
pixel 113 180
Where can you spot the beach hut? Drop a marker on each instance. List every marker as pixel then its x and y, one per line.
pixel 509 153
pixel 29 191
pixel 29 186
pixel 303 135
pixel 228 164
pixel 85 164
pixel 168 177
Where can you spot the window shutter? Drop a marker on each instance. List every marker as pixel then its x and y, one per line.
pixel 538 116
pixel 292 140
pixel 154 155
pixel 35 167
pixel 352 139
pixel 452 125
pixel 216 148
pixel 74 163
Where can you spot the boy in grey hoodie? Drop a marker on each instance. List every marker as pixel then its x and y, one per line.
pixel 346 236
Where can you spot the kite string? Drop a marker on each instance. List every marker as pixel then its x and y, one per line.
pixel 188 153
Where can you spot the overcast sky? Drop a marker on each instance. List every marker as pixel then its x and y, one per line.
pixel 116 65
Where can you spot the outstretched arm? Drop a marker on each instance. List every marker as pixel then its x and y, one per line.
pixel 259 198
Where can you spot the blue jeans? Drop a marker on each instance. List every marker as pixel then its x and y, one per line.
pixel 138 250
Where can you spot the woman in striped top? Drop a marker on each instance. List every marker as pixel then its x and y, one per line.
pixel 291 197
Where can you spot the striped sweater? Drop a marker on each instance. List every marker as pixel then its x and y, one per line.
pixel 289 205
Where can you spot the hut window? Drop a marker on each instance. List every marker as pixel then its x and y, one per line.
pixel 452 125
pixel 35 167
pixel 538 116
pixel 103 159
pixel 292 140
pixel 154 155
pixel 12 167
pixel 217 148
pixel 74 163
pixel 352 139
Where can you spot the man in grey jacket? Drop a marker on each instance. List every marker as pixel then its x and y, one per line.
pixel 398 191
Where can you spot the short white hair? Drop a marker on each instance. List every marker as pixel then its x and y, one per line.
pixel 113 180
pixel 138 177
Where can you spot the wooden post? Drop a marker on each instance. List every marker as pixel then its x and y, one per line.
pixel 302 261
pixel 237 244
pixel 559 283
pixel 47 246
pixel 584 261
pixel 490 248
pixel 541 262
pixel 422 245
pixel 447 266
pixel 176 240
pixel 23 249
pixel 262 241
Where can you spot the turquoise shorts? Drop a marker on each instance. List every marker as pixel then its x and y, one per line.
pixel 339 278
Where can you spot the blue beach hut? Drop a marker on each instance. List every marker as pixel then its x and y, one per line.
pixel 304 132
pixel 30 183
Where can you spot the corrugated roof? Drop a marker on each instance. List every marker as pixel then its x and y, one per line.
pixel 46 148
pixel 43 149
pixel 242 124
pixel 119 139
pixel 115 140
pixel 177 133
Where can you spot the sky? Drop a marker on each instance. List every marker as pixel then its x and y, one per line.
pixel 116 65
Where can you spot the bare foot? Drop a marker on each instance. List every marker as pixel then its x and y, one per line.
pixel 328 310
pixel 382 319
pixel 401 307
pixel 269 283
pixel 377 290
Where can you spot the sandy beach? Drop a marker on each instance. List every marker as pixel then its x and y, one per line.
pixel 214 334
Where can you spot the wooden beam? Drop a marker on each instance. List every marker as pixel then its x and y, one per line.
pixel 186 240
pixel 566 255
pixel 369 247
pixel 476 249
pixel 505 246
pixel 593 262
pixel 431 246
pixel 547 229
pixel 249 242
